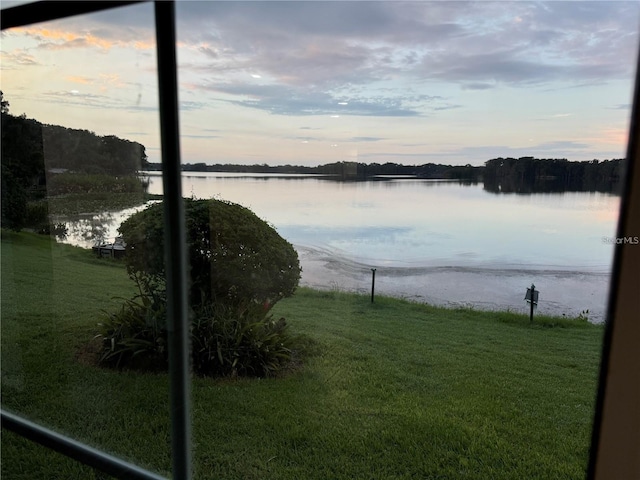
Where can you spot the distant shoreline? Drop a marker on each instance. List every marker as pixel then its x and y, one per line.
pixel 499 175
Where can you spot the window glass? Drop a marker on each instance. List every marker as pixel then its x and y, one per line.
pixel 429 141
pixel 79 125
pixel 412 155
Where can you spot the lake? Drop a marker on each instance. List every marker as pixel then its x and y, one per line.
pixel 433 241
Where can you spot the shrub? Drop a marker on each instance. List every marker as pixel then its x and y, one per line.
pixel 136 336
pixel 241 341
pixel 240 267
pixel 234 256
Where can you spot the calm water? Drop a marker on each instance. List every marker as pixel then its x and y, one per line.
pixel 433 241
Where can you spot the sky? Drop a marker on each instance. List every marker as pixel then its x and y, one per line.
pixel 309 83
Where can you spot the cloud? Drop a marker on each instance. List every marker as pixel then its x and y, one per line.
pixel 92 100
pixel 560 145
pixel 366 139
pixel 74 97
pixel 557 149
pixel 621 106
pixel 327 45
pixel 476 44
pixel 103 81
pixel 18 58
pixel 333 44
pixel 503 67
pixel 477 155
pixel 285 100
pixel 187 106
pixel 80 79
pixel 608 136
pixel 553 149
pixel 305 139
pixel 208 51
pixel 330 46
pixel 555 116
pixel 58 39
pixel 199 136
pixel 274 21
pixel 103 39
pixel 478 86
pixel 440 108
pixel 369 59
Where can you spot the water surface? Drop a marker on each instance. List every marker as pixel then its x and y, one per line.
pixel 436 241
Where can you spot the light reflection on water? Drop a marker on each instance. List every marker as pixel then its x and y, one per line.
pixel 409 222
pixel 88 229
pixel 433 241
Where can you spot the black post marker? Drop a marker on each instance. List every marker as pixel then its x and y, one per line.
pixel 533 289
pixel 373 283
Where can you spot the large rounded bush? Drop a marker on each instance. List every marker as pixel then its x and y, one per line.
pixel 234 256
pixel 240 267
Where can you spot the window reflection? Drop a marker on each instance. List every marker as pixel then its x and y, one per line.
pixel 79 124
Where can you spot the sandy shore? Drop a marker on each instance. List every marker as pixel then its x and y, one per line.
pixel 562 292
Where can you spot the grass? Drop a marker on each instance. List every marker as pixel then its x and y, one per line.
pixel 396 390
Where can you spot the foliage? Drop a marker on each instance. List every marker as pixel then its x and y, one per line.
pixel 70 183
pixel 528 174
pixel 37 213
pixel 14 202
pixel 584 315
pixel 82 151
pixel 499 175
pixel 37 218
pixel 95 165
pixel 4 104
pixel 341 171
pixel 240 267
pixel 544 321
pixel 59 229
pixel 136 336
pixel 239 341
pixel 22 167
pixel 234 256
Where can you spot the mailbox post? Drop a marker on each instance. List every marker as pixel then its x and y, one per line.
pixel 532 297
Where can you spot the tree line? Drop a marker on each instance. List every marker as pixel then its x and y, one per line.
pixel 529 175
pixel 499 175
pixel 342 170
pixel 82 151
pixel 34 155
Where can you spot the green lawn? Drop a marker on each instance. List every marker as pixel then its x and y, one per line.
pixel 396 390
